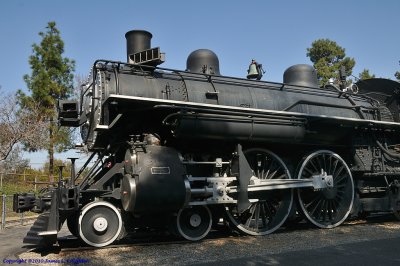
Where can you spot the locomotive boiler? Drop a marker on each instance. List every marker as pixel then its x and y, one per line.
pixel 186 149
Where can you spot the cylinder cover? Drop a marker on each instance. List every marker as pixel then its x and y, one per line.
pixel 156 183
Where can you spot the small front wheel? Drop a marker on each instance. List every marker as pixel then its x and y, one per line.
pixel 194 223
pixel 100 224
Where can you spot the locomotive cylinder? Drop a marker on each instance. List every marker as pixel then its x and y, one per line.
pixel 154 181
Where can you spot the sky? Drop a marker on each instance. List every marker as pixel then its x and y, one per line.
pixel 276 33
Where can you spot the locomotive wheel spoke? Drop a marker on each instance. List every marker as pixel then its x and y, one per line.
pixel 271 209
pixel 329 207
pixel 314 200
pixel 272 175
pixel 100 224
pixel 315 168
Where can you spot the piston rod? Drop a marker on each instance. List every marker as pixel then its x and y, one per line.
pixel 316 182
pixel 218 190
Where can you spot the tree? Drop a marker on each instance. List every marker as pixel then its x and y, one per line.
pixel 365 75
pixel 57 163
pixel 14 161
pixel 327 57
pixel 397 74
pixel 51 80
pixel 18 125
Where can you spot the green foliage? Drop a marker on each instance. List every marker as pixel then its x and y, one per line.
pixel 397 75
pixel 51 80
pixel 23 181
pixel 365 74
pixel 52 74
pixel 17 185
pixel 327 57
pixel 57 163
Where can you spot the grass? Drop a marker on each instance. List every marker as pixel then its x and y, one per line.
pixel 16 184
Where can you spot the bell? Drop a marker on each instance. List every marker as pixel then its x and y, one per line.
pixel 252 72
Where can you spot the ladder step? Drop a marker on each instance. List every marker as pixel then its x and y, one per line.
pixel 32 239
pixel 37 228
pixel 32 233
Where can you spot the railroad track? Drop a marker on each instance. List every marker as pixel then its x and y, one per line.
pixel 70 244
pixel 354 239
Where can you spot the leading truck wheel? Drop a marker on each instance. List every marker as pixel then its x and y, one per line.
pixel 194 223
pixel 269 209
pixel 328 207
pixel 100 224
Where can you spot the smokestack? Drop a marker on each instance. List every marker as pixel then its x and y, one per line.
pixel 137 41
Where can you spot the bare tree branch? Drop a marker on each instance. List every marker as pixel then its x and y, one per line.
pixel 19 125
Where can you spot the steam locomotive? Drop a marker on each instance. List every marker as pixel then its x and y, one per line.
pixel 185 150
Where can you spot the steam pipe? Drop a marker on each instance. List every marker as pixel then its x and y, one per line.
pixel 386 151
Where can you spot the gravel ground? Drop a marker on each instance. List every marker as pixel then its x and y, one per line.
pixel 225 247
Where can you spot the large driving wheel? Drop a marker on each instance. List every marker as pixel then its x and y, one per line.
pixel 194 223
pixel 100 224
pixel 271 207
pixel 328 207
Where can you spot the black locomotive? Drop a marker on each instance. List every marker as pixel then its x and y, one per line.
pixel 184 149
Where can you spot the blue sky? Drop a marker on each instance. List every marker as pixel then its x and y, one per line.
pixel 276 33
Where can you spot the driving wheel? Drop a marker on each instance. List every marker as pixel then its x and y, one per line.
pixel 328 207
pixel 269 209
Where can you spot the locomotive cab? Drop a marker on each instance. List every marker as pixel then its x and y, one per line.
pixel 386 91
